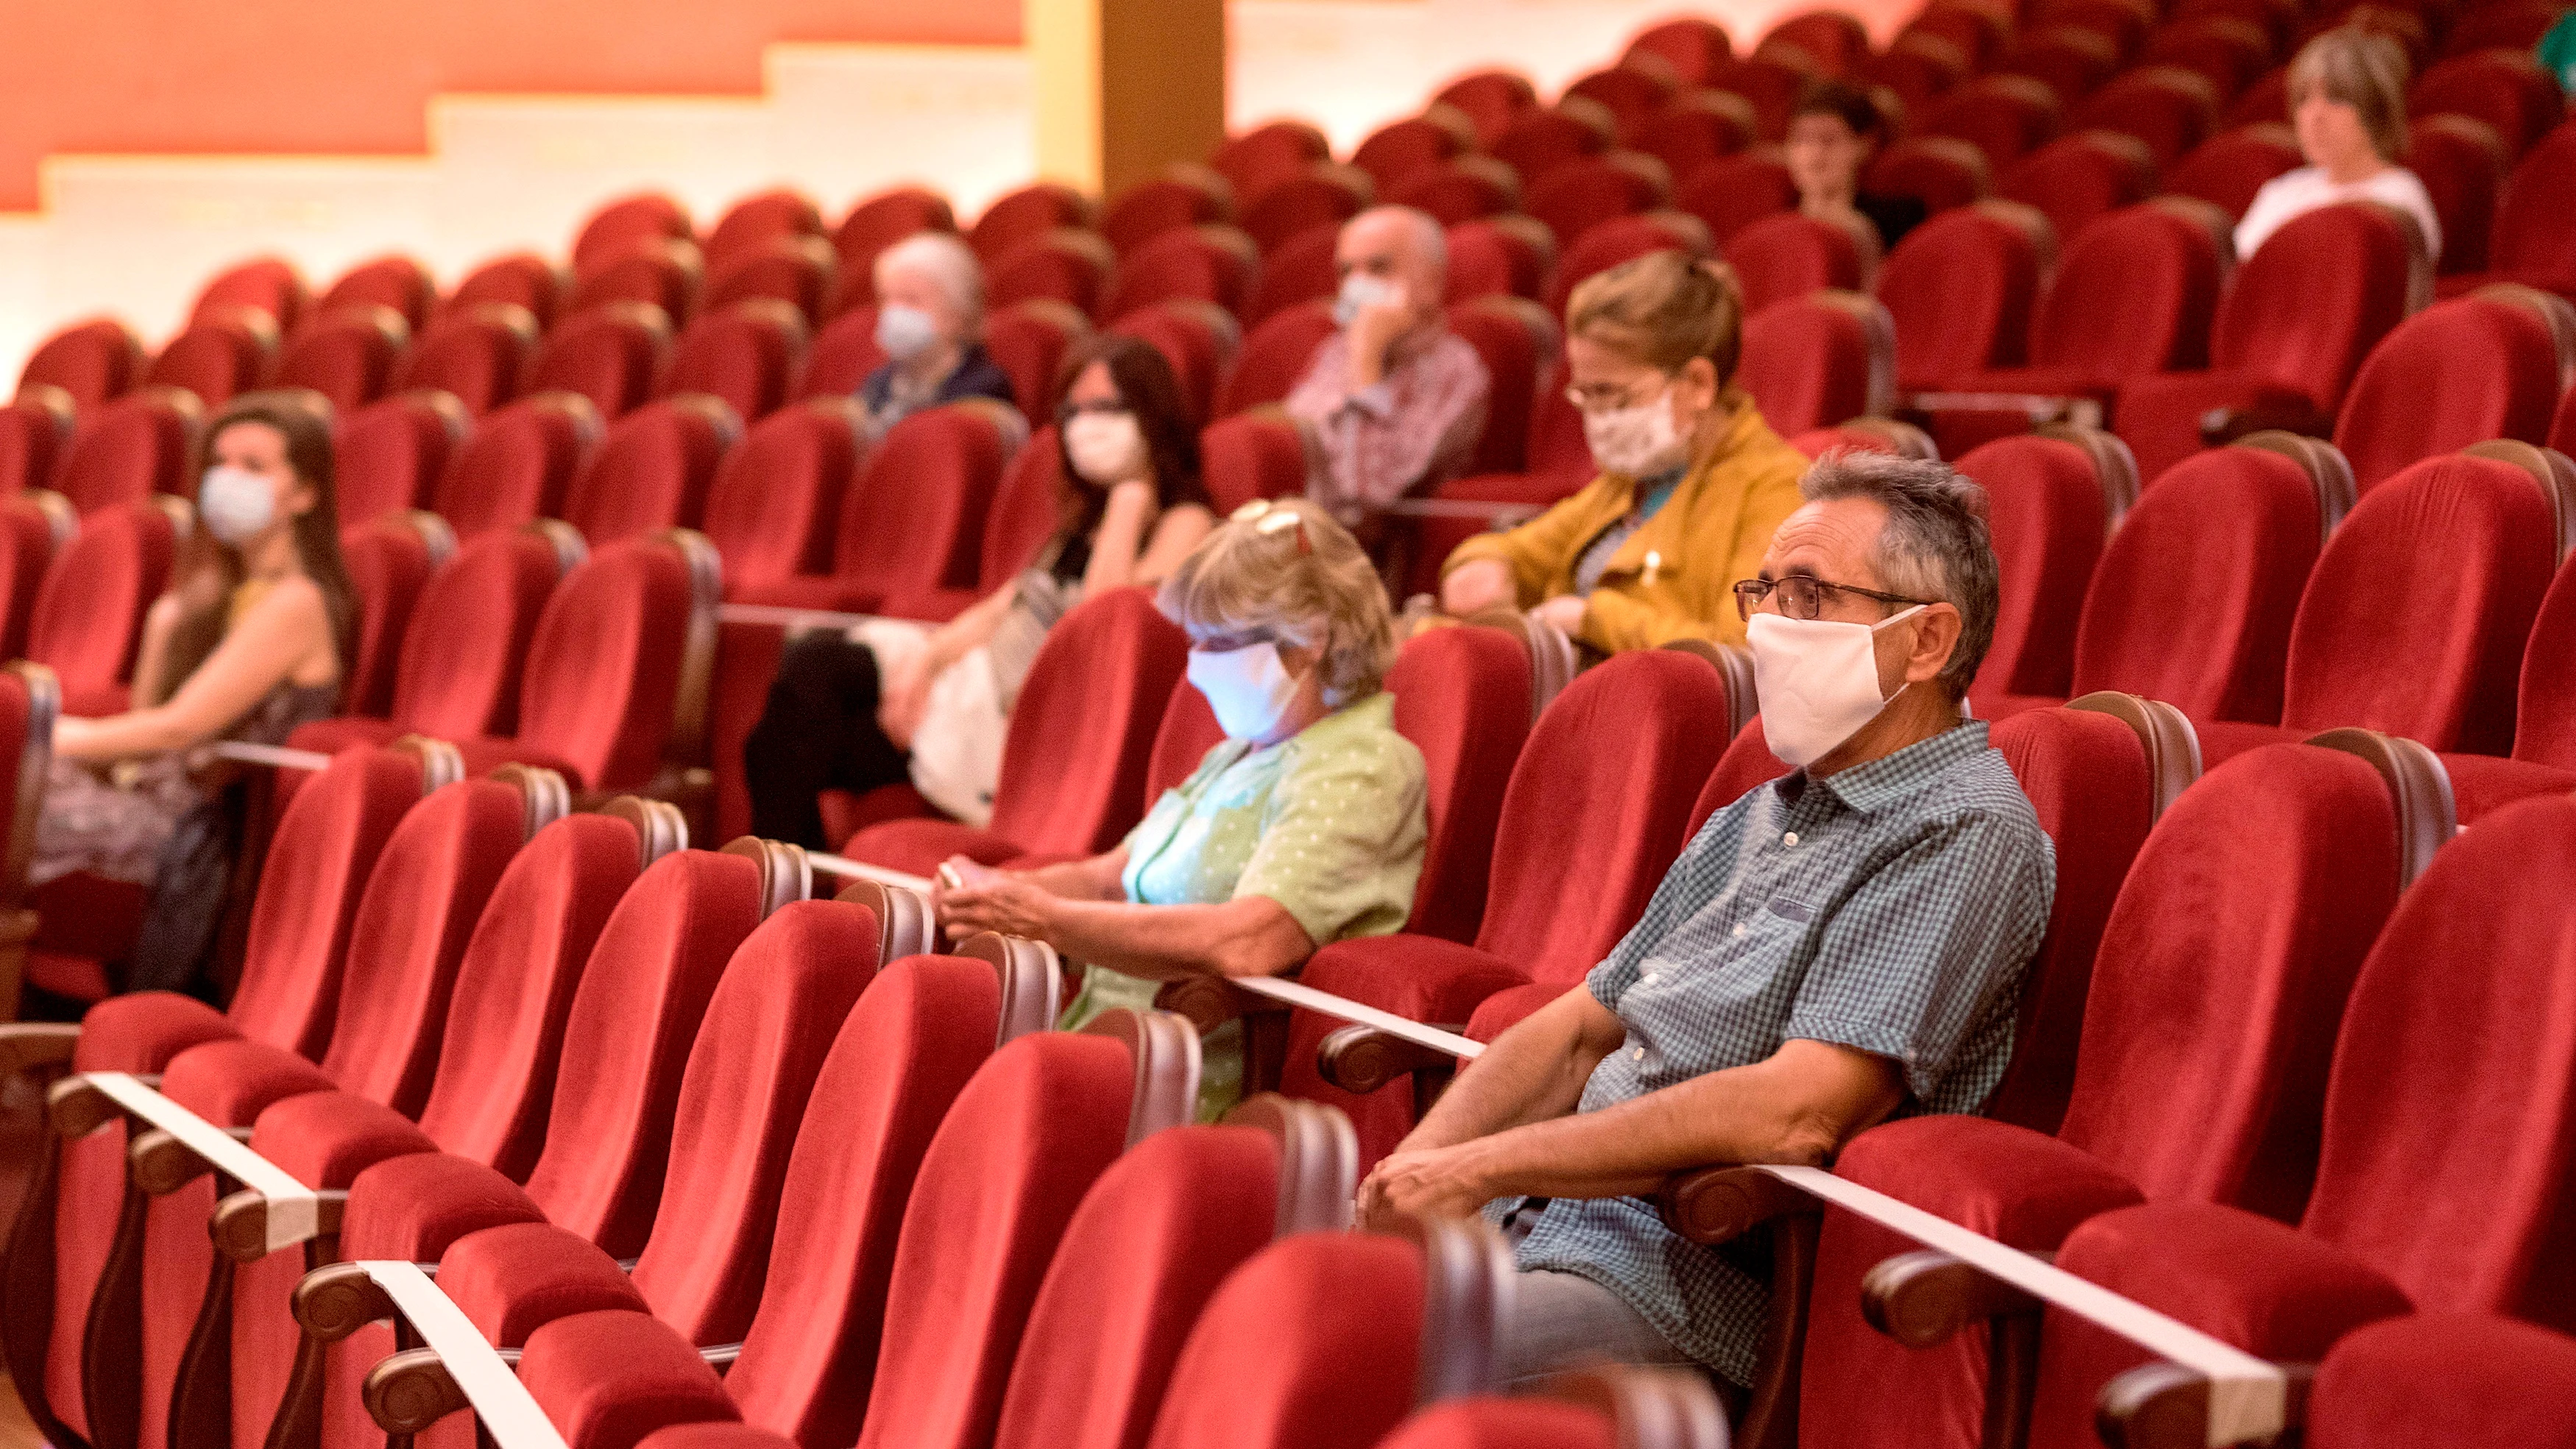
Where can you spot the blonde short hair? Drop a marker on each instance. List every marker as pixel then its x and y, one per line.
pixel 1663 309
pixel 2364 71
pixel 1305 582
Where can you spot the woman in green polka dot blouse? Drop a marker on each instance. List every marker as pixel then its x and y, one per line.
pixel 1305 826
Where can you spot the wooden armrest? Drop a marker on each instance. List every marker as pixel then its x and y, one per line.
pixel 720 1355
pixel 410 1391
pixel 77 1107
pixel 1361 1059
pixel 1211 1001
pixel 26 1046
pixel 1494 515
pixel 1922 1297
pixel 2041 407
pixel 1721 1204
pixel 161 1164
pixel 2163 1405
pixel 240 1223
pixel 2221 426
pixel 337 1300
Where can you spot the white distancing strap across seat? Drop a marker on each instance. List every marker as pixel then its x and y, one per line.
pixel 787 618
pixel 499 1399
pixel 861 870
pixel 246 753
pixel 293 1211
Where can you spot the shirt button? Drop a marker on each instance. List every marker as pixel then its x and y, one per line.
pixel 1790 839
pixel 1739 928
pixel 1639 1054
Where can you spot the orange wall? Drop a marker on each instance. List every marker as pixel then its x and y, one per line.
pixel 356 75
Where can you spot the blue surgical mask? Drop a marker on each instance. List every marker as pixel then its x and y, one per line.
pixel 1248 688
pixel 235 505
pixel 905 333
pixel 1359 291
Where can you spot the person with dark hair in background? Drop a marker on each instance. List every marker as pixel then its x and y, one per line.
pixel 892 700
pixel 1833 133
pixel 252 639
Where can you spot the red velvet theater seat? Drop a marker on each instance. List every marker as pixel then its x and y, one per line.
pixel 844 352
pixel 269 283
pixel 1401 147
pixel 2293 327
pixel 2051 501
pixel 1182 196
pixel 620 224
pixel 2508 91
pixel 758 219
pixel 1460 190
pixel 1607 244
pixel 2200 1077
pixel 1792 254
pixel 2544 733
pixel 1205 263
pixel 389 562
pixel 218 357
pixel 516 464
pixel 799 273
pixel 1537 141
pixel 776 494
pixel 348 356
pixel 1029 211
pixel 666 276
pixel 518 279
pixel 1028 342
pixel 1818 360
pixel 1942 172
pixel 1489 98
pixel 1575 196
pixel 1256 454
pixel 1541 929
pixel 2441 1181
pixel 476 353
pixel 2005 116
pixel 1256 158
pixel 1063 265
pixel 2228 168
pixel 1298 269
pixel 2463 167
pixel 611 353
pixel 1961 287
pixel 1517 341
pixel 1692 45
pixel 35 430
pixel 127 450
pixel 2436 1378
pixel 89 613
pixel 1199 339
pixel 1274 357
pixel 745 352
pixel 2530 242
pixel 2165 109
pixel 34 526
pixel 2458 372
pixel 93 362
pixel 1497 255
pixel 1318 195
pixel 652 469
pixel 1697 127
pixel 395 282
pixel 1630 93
pixel 386 458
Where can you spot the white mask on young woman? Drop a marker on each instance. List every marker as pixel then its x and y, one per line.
pixel 1248 688
pixel 1639 441
pixel 235 504
pixel 1106 447
pixel 1817 680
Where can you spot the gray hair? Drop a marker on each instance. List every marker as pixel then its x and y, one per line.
pixel 1430 240
pixel 949 264
pixel 1935 545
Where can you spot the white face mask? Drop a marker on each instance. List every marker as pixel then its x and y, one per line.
pixel 1817 680
pixel 904 333
pixel 1359 291
pixel 1248 688
pixel 1636 442
pixel 1106 448
pixel 235 504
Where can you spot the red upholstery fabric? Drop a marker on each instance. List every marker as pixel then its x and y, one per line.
pixel 2226 50
pixel 1266 153
pixel 519 279
pixel 1942 172
pixel 1469 188
pixel 2530 242
pixel 92 361
pixel 217 357
pixel 2227 169
pixel 35 428
pixel 1189 730
pixel 1316 196
pixel 1399 148
pixel 612 353
pixel 1490 99
pixel 2463 166
pixel 1627 828
pixel 1543 138
pixel 89 611
pixel 1515 340
pixel 2506 90
pixel 1180 198
pixel 913 519
pixel 1607 244
pixel 1028 342
pixel 844 352
pixel 2193 600
pixel 797 273
pixel 1577 195
pixel 2002 115
pixel 477 354
pixel 1198 338
pixel 1149 1245
pixel 516 1278
pixel 608 1378
pixel 389 563
pixel 1790 255
pixel 517 464
pixel 758 219
pixel 1299 269
pixel 603 674
pixel 2440 1378
pixel 1490 257
pixel 2456 373
pixel 470 633
pixel 1311 1343
pixel 1015 216
pixel 388 457
pixel 395 282
pixel 1252 455
pixel 2545 717
pixel 1039 1121
pixel 1201 263
pixel 129 449
pixel 2049 517
pixel 2168 110
pixel 269 283
pixel 1274 357
pixel 1629 93
pixel 771 506
pixel 2296 322
pixel 2067 60
pixel 620 224
pixel 665 276
pixel 652 469
pixel 347 356
pixel 1960 288
pixel 1461 698
pixel 745 352
pixel 1530 1423
pixel 2134 294
pixel 26 552
pixel 1696 128
pixel 1065 265
pixel 1809 362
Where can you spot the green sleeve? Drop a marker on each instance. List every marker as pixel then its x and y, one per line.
pixel 1342 845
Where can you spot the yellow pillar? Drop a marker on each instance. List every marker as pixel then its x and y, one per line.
pixel 1124 87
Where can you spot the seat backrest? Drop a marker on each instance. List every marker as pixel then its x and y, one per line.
pixel 514 989
pixel 1461 697
pixel 92 362
pixel 1256 454
pixel 2194 596
pixel 2075 180
pixel 1063 265
pixel 517 463
pixel 2506 89
pixel 1204 263
pixel 1199 339
pixel 1790 255
pixel 347 356
pixel 1028 342
pixel 768 1028
pixel 799 273
pixel 1274 357
pixel 1142 1255
pixel 2544 729
pixel 2480 1379
pixel 772 506
pixel 2458 372
pixel 217 356
pixel 2049 509
pixel 919 1032
pixel 2310 304
pixel 843 353
pixel 1030 211
pixel 1031 1131
pixel 475 353
pixel 519 279
pixel 35 430
pixel 1942 172
pixel 2166 109
pixel 269 283
pixel 389 563
pixel 34 526
pixel 2136 294
pixel 1489 256
pixel 388 457
pixel 620 224
pixel 2227 169
pixel 2463 166
pixel 1542 138
pixel 2475 534
pixel 2531 235
pixel 1299 269
pixel 622 644
pixel 468 638
pixel 1189 730
pixel 1073 764
pixel 1960 288
pixel 1622 238
pixel 1517 341
pixel 761 217
pixel 652 469
pixel 2004 116
pixel 1401 147
pixel 89 613
pixel 1489 99
pixel 318 865
pixel 1818 360
pixel 913 520
pixel 745 353
pixel 877 222
pixel 1319 194
pixel 627 1039
pixel 2222 974
pixel 1461 189
pixel 1025 512
pixel 612 353
pixel 1620 807
pixel 131 448
pixel 1577 195
pixel 2452 1115
pixel 665 276
pixel 422 900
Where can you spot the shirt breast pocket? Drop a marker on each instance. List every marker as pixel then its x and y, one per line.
pixel 1790 909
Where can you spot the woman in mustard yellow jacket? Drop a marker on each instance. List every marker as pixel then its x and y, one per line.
pixel 1693 480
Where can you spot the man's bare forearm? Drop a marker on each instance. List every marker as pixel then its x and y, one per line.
pixel 1532 1072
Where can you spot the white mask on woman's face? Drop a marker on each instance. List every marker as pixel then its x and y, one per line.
pixel 1248 688
pixel 1106 447
pixel 1817 680
pixel 235 504
pixel 1639 441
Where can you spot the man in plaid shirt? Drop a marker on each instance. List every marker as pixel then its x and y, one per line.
pixel 1837 947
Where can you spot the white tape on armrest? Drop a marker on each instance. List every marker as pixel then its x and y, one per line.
pixel 860 870
pixel 499 1399
pixel 244 752
pixel 294 1213
pixel 1343 1009
pixel 787 618
pixel 2248 1396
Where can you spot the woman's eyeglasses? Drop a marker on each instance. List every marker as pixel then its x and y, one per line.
pixel 1802 596
pixel 1070 411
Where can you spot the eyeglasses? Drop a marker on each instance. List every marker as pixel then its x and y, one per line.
pixel 1803 596
pixel 1105 408
pixel 1604 399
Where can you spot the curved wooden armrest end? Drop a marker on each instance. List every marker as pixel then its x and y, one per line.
pixel 161 1164
pixel 1362 1059
pixel 338 1299
pixel 1211 1001
pixel 240 1224
pixel 1721 1204
pixel 720 1355
pixel 1921 1298
pixel 410 1391
pixel 28 1045
pixel 77 1107
pixel 2163 1405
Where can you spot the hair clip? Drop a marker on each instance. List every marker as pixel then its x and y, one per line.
pixel 1268 517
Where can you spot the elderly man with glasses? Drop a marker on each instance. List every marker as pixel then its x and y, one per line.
pixel 1835 948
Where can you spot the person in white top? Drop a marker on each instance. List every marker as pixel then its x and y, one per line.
pixel 2348 104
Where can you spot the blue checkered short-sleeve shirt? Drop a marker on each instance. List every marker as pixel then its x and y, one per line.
pixel 1890 908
